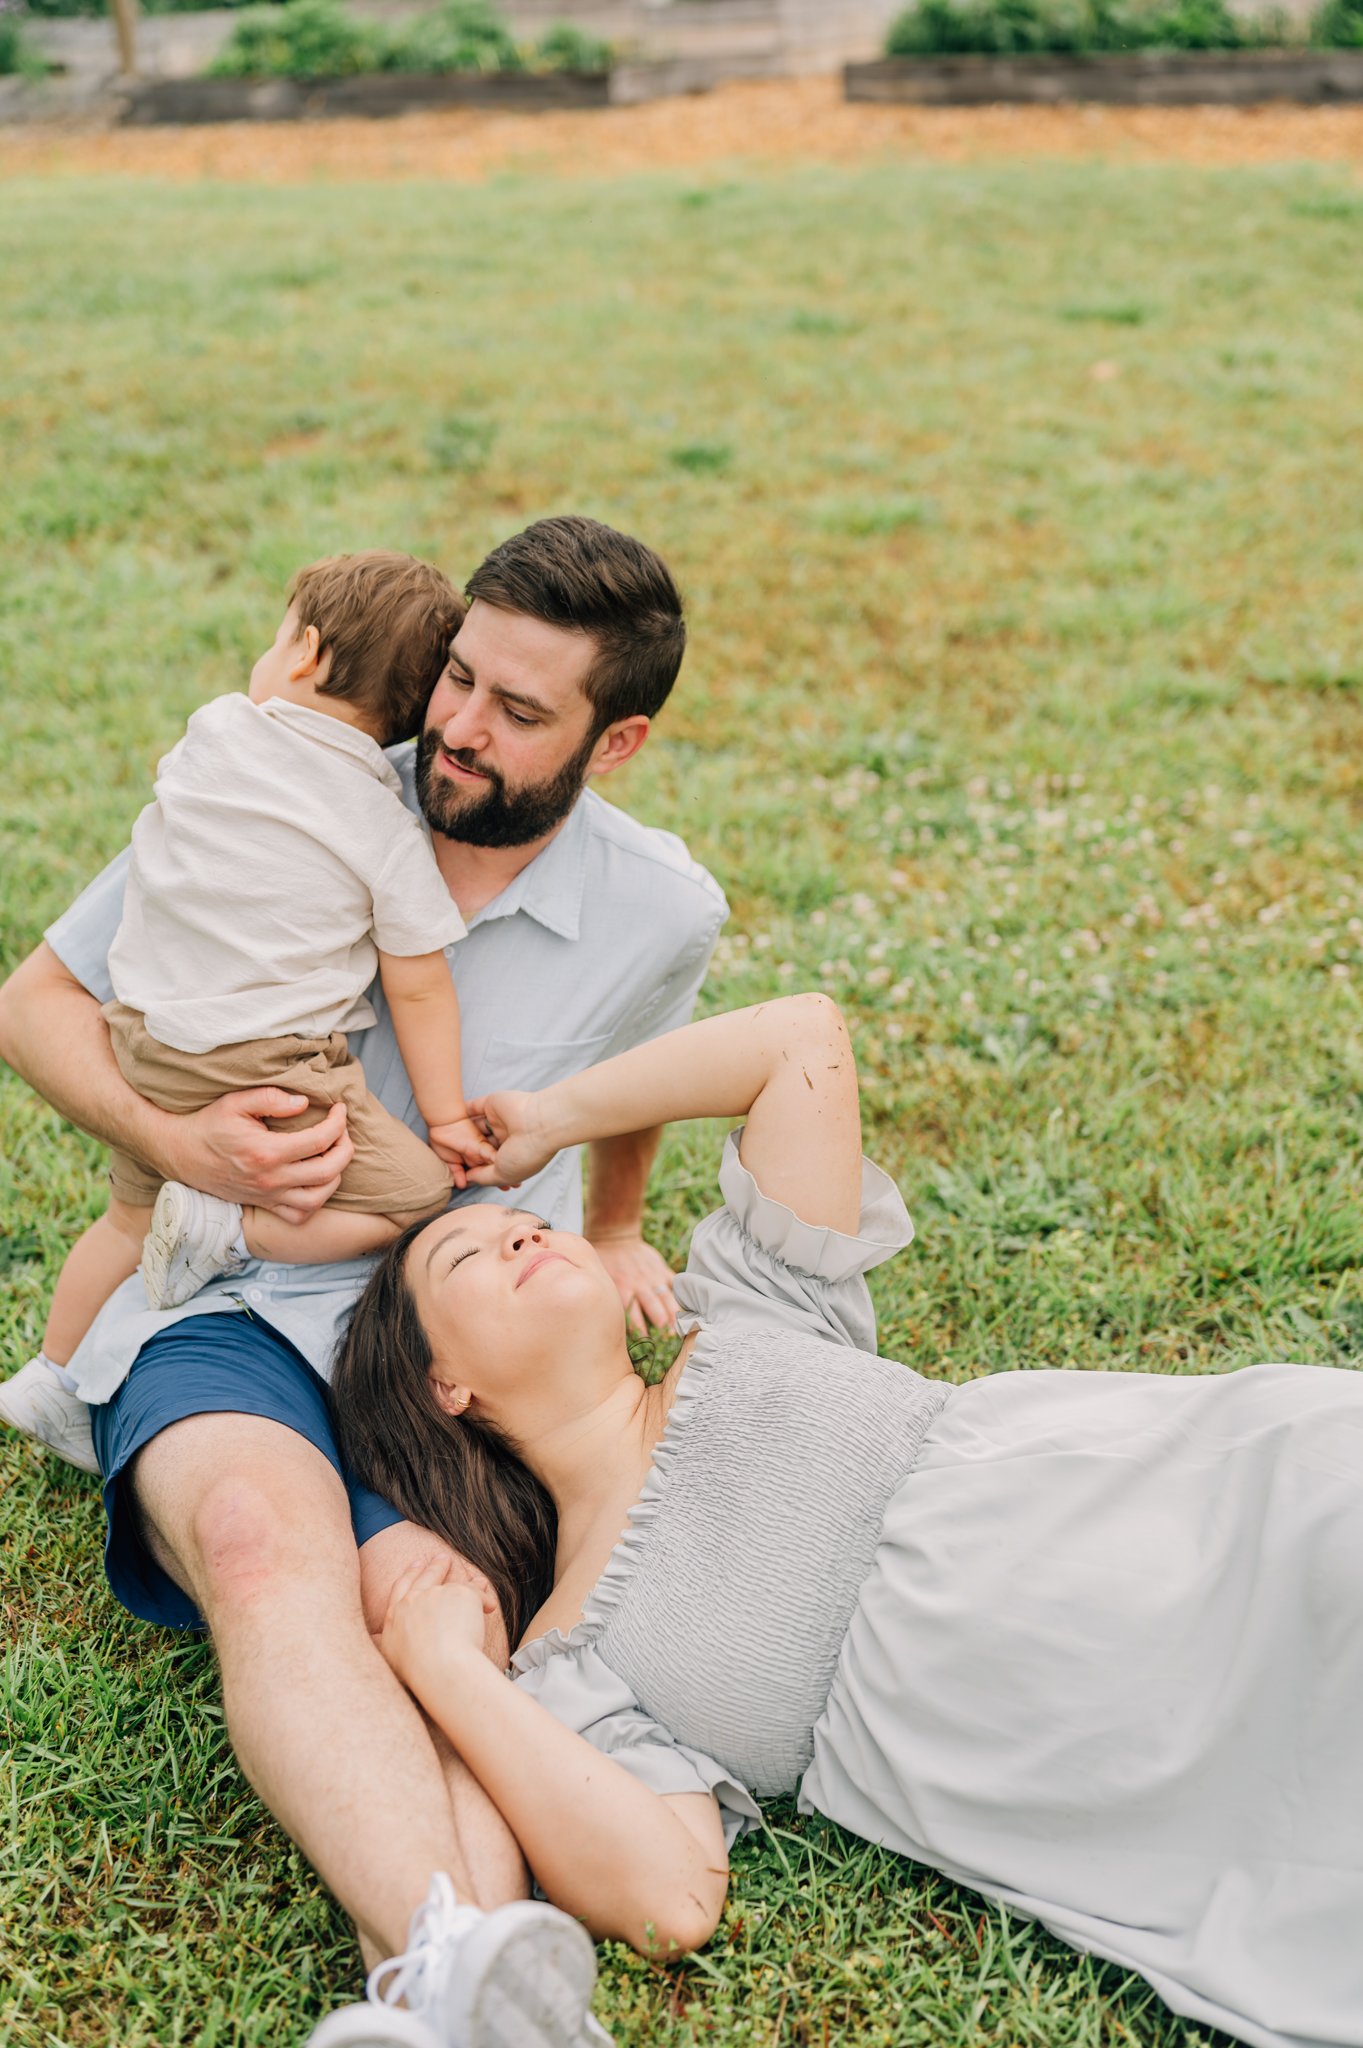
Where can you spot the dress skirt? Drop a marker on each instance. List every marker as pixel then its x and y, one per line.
pixel 1108 1668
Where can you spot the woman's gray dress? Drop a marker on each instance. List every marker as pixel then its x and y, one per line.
pixel 1091 1643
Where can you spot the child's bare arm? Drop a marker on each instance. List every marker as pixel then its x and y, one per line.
pixel 425 1013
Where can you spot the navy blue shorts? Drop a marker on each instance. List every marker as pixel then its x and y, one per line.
pixel 226 1364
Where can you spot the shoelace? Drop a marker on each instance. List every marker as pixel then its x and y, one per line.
pixel 438 1919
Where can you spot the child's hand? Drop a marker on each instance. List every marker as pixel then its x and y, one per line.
pixel 461 1145
pixel 434 1614
pixel 514 1120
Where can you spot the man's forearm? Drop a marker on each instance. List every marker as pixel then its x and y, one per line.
pixel 53 1035
pixel 617 1180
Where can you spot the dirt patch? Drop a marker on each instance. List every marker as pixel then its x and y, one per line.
pixel 802 120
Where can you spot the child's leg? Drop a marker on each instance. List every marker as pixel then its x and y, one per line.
pixel 100 1260
pixel 331 1234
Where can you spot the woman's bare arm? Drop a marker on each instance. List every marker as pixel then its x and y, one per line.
pixel 631 1864
pixel 786 1066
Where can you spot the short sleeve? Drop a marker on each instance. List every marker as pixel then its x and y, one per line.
pixel 413 910
pixel 578 1687
pixel 82 935
pixel 756 1263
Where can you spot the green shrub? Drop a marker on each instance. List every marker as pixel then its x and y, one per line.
pixel 18 58
pixel 301 39
pixel 1007 28
pixel 463 35
pixel 565 47
pixel 1339 25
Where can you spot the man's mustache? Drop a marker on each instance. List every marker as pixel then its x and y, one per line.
pixel 466 758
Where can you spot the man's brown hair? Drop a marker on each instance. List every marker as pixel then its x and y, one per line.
pixel 576 573
pixel 387 621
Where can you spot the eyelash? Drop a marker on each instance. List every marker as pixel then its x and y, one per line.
pixel 516 717
pixel 538 1221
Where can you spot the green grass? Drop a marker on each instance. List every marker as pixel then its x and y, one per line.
pixel 1018 513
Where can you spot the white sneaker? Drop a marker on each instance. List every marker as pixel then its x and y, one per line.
pixel 34 1401
pixel 519 1977
pixel 373 2026
pixel 190 1241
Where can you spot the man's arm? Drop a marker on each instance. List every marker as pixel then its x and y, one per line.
pixel 618 1168
pixel 617 1178
pixel 53 1035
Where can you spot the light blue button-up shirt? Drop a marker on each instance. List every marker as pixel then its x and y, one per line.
pixel 601 942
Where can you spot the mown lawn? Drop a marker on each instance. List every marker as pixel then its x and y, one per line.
pixel 1018 512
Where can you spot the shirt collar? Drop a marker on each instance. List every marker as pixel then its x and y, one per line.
pixel 337 734
pixel 550 887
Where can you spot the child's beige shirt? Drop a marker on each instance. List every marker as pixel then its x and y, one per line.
pixel 277 859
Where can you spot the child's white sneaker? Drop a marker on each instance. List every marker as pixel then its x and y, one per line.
pixel 519 1977
pixel 191 1240
pixel 34 1400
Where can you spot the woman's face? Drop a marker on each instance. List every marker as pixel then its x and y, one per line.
pixel 509 1306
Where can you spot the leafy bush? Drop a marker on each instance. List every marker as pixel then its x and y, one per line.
pixel 463 35
pixel 565 47
pixel 1006 28
pixel 1339 25
pixel 18 58
pixel 318 39
pixel 301 39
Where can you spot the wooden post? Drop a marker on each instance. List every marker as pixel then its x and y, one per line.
pixel 125 29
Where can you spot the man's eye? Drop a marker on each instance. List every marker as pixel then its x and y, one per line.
pixel 519 718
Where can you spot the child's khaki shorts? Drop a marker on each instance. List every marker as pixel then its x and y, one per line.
pixel 392 1171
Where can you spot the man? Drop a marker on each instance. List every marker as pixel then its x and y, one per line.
pixel 587 933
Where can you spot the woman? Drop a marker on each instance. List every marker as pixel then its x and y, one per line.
pixel 1090 1643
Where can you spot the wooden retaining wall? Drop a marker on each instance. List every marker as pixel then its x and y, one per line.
pixel 1176 78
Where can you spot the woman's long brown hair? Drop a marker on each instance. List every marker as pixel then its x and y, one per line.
pixel 456 1475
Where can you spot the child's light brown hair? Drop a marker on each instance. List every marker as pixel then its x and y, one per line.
pixel 387 621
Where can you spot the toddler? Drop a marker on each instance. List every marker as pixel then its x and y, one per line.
pixel 276 868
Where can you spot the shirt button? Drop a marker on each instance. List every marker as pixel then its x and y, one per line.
pixel 255 1294
pixel 272 1275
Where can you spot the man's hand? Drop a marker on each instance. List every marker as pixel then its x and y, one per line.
pixel 642 1276
pixel 228 1150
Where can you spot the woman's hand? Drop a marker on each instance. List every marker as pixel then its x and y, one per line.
pixel 515 1121
pixel 435 1614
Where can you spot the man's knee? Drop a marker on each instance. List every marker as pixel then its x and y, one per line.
pixel 234 1505
pixel 386 1556
pixel 245 1545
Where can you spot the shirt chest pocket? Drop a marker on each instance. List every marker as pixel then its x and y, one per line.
pixel 534 1062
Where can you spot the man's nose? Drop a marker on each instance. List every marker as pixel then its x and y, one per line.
pixel 466 725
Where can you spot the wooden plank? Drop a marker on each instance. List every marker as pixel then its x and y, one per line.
pixel 1142 78
pixel 188 102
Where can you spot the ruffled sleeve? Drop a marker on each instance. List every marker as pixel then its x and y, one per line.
pixel 574 1682
pixel 756 1263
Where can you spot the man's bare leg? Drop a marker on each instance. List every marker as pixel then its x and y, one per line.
pixel 252 1520
pixel 488 1843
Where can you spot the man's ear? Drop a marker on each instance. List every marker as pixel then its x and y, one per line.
pixel 454 1400
pixel 619 743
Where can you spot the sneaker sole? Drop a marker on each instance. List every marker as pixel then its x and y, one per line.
pixel 372 2026
pixel 526 1983
pixel 168 1276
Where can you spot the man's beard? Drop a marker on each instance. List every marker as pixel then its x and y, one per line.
pixel 496 816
